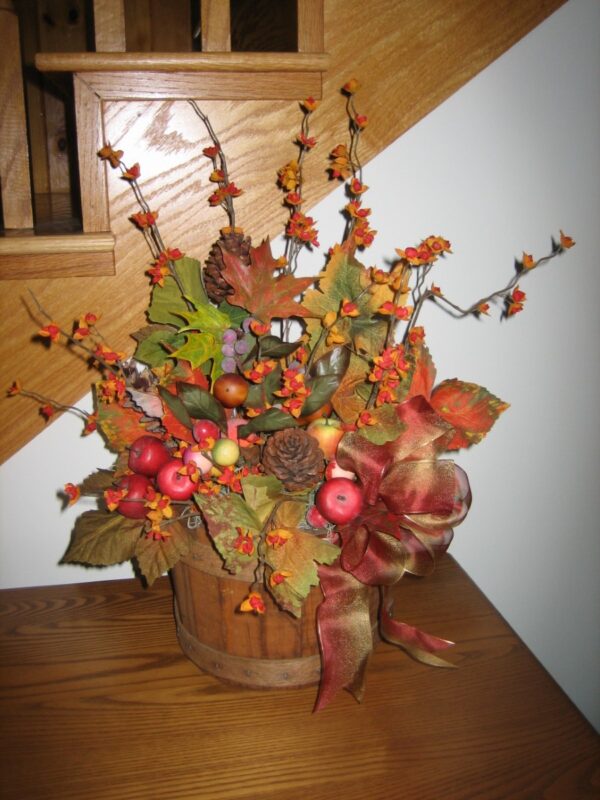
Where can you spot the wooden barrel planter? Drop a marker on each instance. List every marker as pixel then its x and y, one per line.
pixel 271 650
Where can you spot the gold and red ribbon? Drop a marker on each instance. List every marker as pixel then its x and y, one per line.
pixel 413 500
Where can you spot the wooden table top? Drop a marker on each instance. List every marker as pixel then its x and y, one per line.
pixel 98 702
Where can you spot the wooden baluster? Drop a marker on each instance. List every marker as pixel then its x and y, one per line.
pixel 92 171
pixel 109 26
pixel 216 26
pixel 311 35
pixel 14 152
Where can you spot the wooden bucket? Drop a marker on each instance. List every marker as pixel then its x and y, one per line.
pixel 270 650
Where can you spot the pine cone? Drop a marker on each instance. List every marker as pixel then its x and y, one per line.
pixel 215 284
pixel 293 456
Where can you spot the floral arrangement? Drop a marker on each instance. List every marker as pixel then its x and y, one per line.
pixel 299 418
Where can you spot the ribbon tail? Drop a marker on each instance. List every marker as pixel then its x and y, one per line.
pixel 345 634
pixel 418 644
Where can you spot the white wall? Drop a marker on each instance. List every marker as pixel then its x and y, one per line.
pixel 498 168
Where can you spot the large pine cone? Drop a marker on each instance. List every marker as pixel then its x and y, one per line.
pixel 293 456
pixel 215 284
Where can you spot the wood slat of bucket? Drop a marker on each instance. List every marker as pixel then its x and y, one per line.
pixel 271 650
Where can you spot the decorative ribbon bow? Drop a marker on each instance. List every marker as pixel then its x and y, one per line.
pixel 412 501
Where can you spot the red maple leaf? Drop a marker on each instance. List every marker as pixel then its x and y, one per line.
pixel 257 289
pixel 469 408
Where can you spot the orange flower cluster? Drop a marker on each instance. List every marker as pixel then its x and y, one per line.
pixel 278 577
pixel 108 356
pixel 259 370
pixel 132 173
pixel 112 156
pixel 341 166
pixel 111 390
pixel 159 509
pixel 253 602
pixel 145 219
pixel 388 371
pixel 223 193
pixel 302 228
pixel 84 328
pixel 277 537
pixel 288 176
pixel 294 391
pixel 244 543
pixel 425 253
pixel 389 309
pixel 515 302
pixel 51 331
pixel 73 492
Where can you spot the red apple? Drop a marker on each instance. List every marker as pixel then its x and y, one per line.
pixel 203 428
pixel 132 505
pixel 147 455
pixel 314 518
pixel 193 456
pixel 328 433
pixel 231 389
pixel 339 500
pixel 173 483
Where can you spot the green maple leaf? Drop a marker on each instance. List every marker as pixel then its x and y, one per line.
pixel 207 319
pixel 223 515
pixel 261 493
pixel 199 348
pixel 257 289
pixel 156 344
pixel 387 425
pixel 299 557
pixel 168 303
pixel 154 557
pixel 345 278
pixel 103 538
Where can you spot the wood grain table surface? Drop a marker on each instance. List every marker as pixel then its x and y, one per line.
pixel 98 702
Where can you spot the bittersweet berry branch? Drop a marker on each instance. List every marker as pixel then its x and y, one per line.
pixel 77 342
pixel 227 203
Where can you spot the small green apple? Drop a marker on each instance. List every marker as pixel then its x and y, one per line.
pixel 225 452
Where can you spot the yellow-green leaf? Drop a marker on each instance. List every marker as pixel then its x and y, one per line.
pixel 102 538
pixel 299 557
pixel 154 558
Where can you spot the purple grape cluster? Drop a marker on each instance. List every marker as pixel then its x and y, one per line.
pixel 235 345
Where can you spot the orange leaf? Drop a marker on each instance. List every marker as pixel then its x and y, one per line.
pixel 423 375
pixel 120 426
pixel 469 408
pixel 259 291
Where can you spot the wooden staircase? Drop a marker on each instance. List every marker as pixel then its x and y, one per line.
pixel 409 57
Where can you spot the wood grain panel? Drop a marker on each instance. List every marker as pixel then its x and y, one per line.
pixel 409 57
pixel 56 265
pixel 204 85
pixel 98 701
